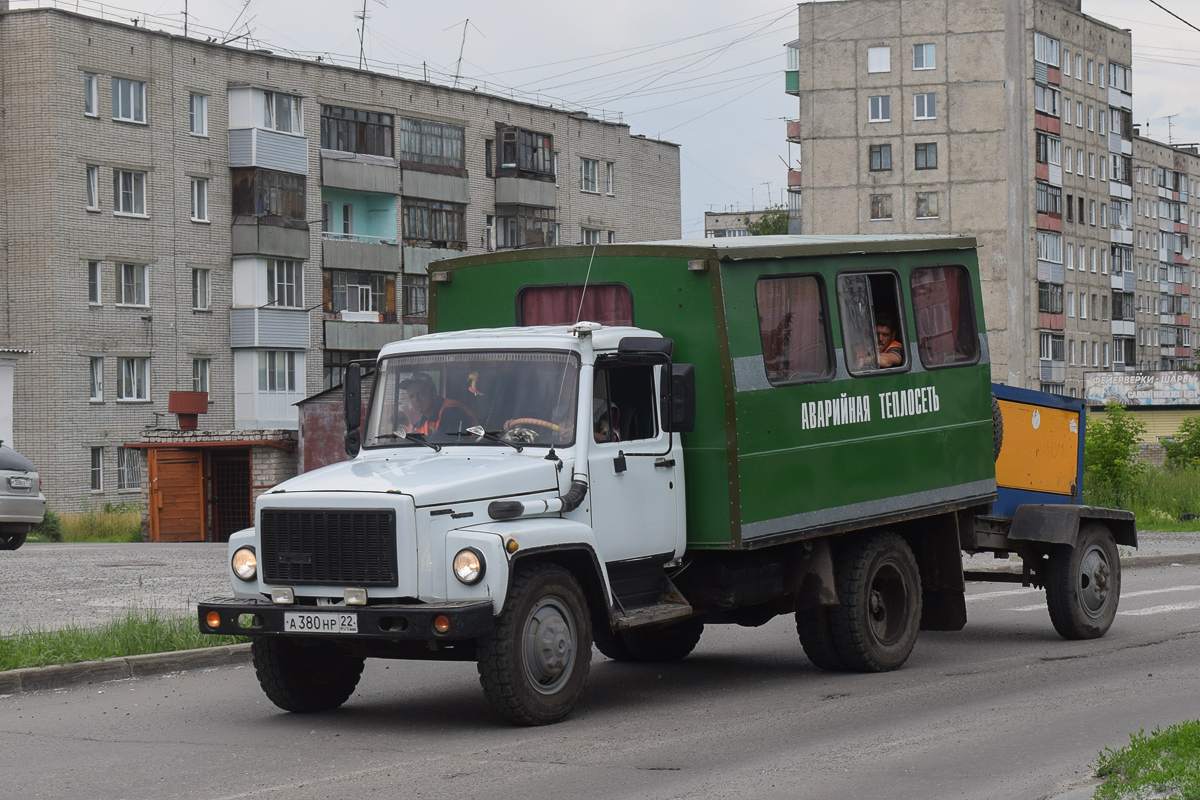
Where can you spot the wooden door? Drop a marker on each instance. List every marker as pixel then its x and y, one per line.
pixel 176 496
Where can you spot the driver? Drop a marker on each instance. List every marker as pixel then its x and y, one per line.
pixel 436 413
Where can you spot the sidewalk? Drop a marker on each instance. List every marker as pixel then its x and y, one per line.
pixel 1155 549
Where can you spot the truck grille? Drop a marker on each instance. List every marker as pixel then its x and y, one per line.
pixel 340 548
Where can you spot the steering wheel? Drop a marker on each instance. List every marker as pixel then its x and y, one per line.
pixel 541 423
pixel 515 430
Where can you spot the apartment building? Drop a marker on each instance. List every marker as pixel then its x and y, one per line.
pixel 178 215
pixel 1011 121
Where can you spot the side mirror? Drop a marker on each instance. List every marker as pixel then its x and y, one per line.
pixel 644 350
pixel 680 400
pixel 352 407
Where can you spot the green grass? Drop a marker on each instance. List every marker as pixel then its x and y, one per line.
pixel 1158 497
pixel 112 523
pixel 1165 764
pixel 137 633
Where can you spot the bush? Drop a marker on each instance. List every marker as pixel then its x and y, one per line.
pixel 774 221
pixel 1184 451
pixel 1110 452
pixel 50 530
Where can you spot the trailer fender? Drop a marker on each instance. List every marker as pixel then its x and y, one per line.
pixel 1060 524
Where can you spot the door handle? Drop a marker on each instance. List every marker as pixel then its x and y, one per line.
pixel 664 462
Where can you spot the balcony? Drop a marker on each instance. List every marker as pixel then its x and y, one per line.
pixel 268 328
pixel 793 130
pixel 1050 371
pixel 359 252
pixel 255 236
pixel 793 179
pixel 791 82
pixel 261 147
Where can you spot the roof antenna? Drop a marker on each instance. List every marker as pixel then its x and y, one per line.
pixel 586 278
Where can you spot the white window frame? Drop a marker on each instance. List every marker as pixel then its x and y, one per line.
pixel 129 469
pixel 927 58
pixel 1045 49
pixel 1046 99
pixel 285 283
pixel 885 214
pixel 199 199
pixel 129 193
pixel 96 469
pixel 93 188
pixel 198 114
pixel 589 175
pixel 879 59
pixel 91 94
pixel 277 371
pixel 609 170
pixel 133 285
pixel 96 379
pixel 925 105
pixel 294 113
pixel 135 96
pixel 931 205
pixel 589 236
pixel 1066 65
pixel 95 284
pixel 879 108
pixel 1049 247
pixel 201 289
pixel 1071 313
pixel 133 385
pixel 201 374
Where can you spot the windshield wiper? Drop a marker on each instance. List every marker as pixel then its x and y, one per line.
pixel 409 437
pixel 477 430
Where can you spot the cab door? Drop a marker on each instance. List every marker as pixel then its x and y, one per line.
pixel 636 486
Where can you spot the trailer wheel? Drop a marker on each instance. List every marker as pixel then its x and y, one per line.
pixel 304 677
pixel 1083 584
pixel 815 629
pixel 670 643
pixel 11 541
pixel 997 428
pixel 875 625
pixel 534 663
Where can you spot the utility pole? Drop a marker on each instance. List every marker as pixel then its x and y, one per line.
pixel 362 30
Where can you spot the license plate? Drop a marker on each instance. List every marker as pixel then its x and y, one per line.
pixel 20 483
pixel 319 622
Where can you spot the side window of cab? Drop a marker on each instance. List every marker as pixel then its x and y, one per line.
pixel 623 407
pixel 873 336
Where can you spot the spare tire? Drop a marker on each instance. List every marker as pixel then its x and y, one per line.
pixel 997 428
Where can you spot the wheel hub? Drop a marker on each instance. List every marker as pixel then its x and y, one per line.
pixel 549 645
pixel 1095 577
pixel 887 604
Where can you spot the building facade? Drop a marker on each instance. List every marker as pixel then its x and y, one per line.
pixel 182 215
pixel 1011 121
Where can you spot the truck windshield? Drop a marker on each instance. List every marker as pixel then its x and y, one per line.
pixel 526 398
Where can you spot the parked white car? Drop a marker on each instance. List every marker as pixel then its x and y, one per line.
pixel 22 504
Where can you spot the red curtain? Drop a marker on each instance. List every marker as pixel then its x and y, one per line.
pixel 945 327
pixel 792 328
pixel 608 304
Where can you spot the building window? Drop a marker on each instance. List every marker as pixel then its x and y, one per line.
pixel 285 287
pixel 96 380
pixel 199 200
pixel 435 221
pixel 135 379
pixel 200 289
pixel 589 236
pixel 359 291
pixel 1050 298
pixel 200 370
pixel 881 206
pixel 927 205
pixel 129 468
pixel 1078 67
pixel 198 114
pixel 588 169
pixel 879 108
pixel 1045 49
pixel 609 168
pixel 267 193
pixel 924 106
pixel 1070 208
pixel 353 131
pixel 1091 70
pixel 926 155
pixel 1049 247
pixel 1066 63
pixel 1049 199
pixel 131 284
pixel 1091 212
pixel 97 470
pixel 129 192
pixel 879 59
pixel 1071 353
pixel 1066 107
pixel 281 112
pixel 276 371
pixel 881 157
pixel 1051 346
pixel 525 226
pixel 924 56
pixel 416 295
pixel 93 278
pixel 128 100
pixel 93 188
pixel 1049 148
pixel 90 104
pixel 791 326
pixel 437 143
pixel 1091 118
pixel 1071 313
pixel 527 151
pixel 1045 99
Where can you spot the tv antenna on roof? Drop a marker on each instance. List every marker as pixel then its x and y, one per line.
pixel 362 16
pixel 462 45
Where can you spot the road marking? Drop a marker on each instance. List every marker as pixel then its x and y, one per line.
pixel 1145 592
pixel 1006 593
pixel 1145 612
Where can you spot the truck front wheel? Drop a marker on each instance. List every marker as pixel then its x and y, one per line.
pixel 304 676
pixel 534 663
pixel 875 625
pixel 1083 584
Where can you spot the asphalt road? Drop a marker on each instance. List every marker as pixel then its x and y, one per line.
pixel 1003 708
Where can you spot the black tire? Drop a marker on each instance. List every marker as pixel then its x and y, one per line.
pixel 670 643
pixel 875 625
pixel 1083 584
pixel 609 642
pixel 11 541
pixel 815 629
pixel 302 677
pixel 534 663
pixel 997 428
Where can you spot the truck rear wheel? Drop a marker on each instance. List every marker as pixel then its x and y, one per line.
pixel 875 625
pixel 815 629
pixel 1083 584
pixel 670 643
pixel 534 663
pixel 303 676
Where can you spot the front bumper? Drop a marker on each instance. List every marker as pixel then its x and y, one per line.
pixel 408 622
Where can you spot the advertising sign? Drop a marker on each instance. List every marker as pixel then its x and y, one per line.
pixel 1143 388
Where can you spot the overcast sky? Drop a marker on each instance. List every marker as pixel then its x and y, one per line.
pixel 706 74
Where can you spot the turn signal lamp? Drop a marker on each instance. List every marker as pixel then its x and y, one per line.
pixel 511 545
pixel 213 620
pixel 441 623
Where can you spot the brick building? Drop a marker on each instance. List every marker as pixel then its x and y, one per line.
pixel 1011 121
pixel 182 215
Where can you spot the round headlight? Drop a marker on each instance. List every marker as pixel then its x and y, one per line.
pixel 469 566
pixel 245 563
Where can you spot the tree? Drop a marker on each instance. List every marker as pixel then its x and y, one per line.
pixel 1110 451
pixel 774 221
pixel 1184 451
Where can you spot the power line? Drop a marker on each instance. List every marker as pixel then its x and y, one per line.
pixel 1173 14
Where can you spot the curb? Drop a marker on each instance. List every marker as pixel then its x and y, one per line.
pixel 121 668
pixel 1160 561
